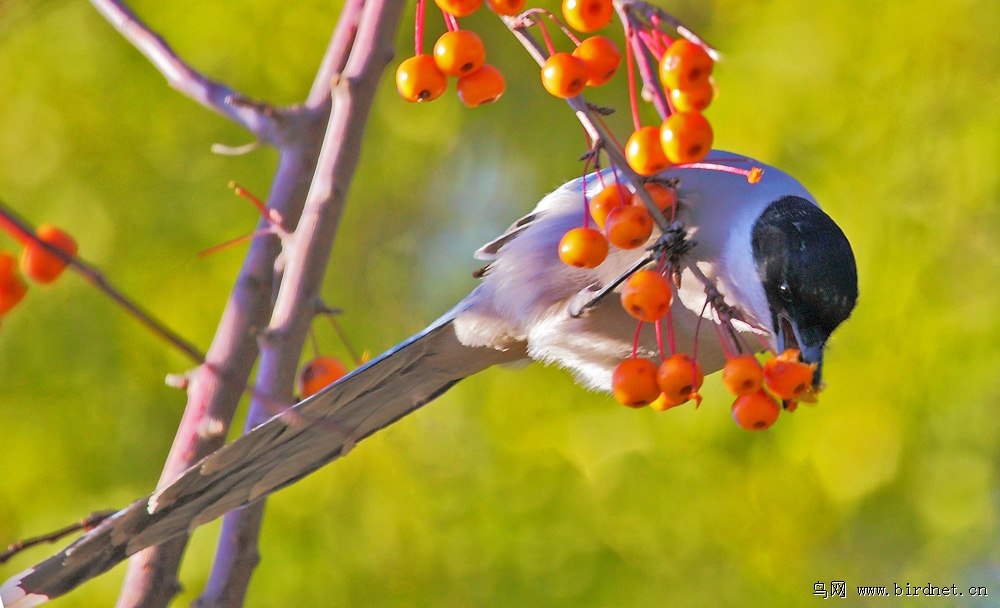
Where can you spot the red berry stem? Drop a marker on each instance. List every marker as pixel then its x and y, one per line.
pixel 590 120
pixel 636 45
pixel 630 74
pixel 271 215
pixel 233 242
pixel 671 339
pixel 610 136
pixel 586 205
pixel 659 37
pixel 752 174
pixel 635 341
pixel 545 36
pixel 764 344
pixel 659 339
pixel 643 12
pixel 569 33
pixel 652 42
pixel 450 21
pixel 528 17
pixel 418 30
pixel 697 330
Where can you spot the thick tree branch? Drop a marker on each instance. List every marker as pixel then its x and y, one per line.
pixel 215 388
pixel 360 49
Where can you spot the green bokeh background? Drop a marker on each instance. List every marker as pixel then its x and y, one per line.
pixel 518 488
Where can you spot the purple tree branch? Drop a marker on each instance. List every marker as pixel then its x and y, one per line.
pixel 372 27
pixel 252 116
pixel 214 389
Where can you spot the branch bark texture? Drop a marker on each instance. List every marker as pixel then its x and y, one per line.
pixel 357 54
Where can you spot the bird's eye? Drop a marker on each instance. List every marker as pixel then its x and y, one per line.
pixel 785 292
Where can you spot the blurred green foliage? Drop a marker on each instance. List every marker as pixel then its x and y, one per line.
pixel 518 488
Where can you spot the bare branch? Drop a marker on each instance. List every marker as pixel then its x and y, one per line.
pixel 23 232
pixel 373 26
pixel 253 116
pixel 337 53
pixel 84 524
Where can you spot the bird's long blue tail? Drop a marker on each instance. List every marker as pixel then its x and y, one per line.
pixel 276 454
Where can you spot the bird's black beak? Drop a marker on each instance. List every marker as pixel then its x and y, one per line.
pixel 810 344
pixel 806 267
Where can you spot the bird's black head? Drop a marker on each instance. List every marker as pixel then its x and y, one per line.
pixel 809 275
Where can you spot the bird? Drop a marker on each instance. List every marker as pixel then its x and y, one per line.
pixel 760 249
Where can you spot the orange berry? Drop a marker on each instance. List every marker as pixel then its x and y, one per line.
pixel 685 65
pixel 583 248
pixel 789 354
pixel 695 99
pixel 742 375
pixel 459 53
pixel 564 75
pixel 646 295
pixel 481 87
pixel 459 8
pixel 634 382
pixel 679 377
pixel 602 59
pixel 419 79
pixel 508 8
pixel 788 378
pixel 662 404
pixel 628 226
pixel 40 265
pixel 644 152
pixel 604 201
pixel 12 286
pixel 756 411
pixel 686 137
pixel 318 374
pixel 664 197
pixel 587 15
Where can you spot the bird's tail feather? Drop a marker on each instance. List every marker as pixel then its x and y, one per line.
pixel 272 456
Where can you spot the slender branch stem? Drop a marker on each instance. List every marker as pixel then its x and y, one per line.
pixel 23 232
pixel 595 130
pixel 255 117
pixel 84 524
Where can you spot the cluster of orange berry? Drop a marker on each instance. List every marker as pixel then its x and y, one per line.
pixel 647 296
pixel 685 137
pixel 460 54
pixel 36 262
pixel 638 382
pixel 617 216
pixel 457 53
pixel 593 62
pixel 622 216
pixel 785 376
